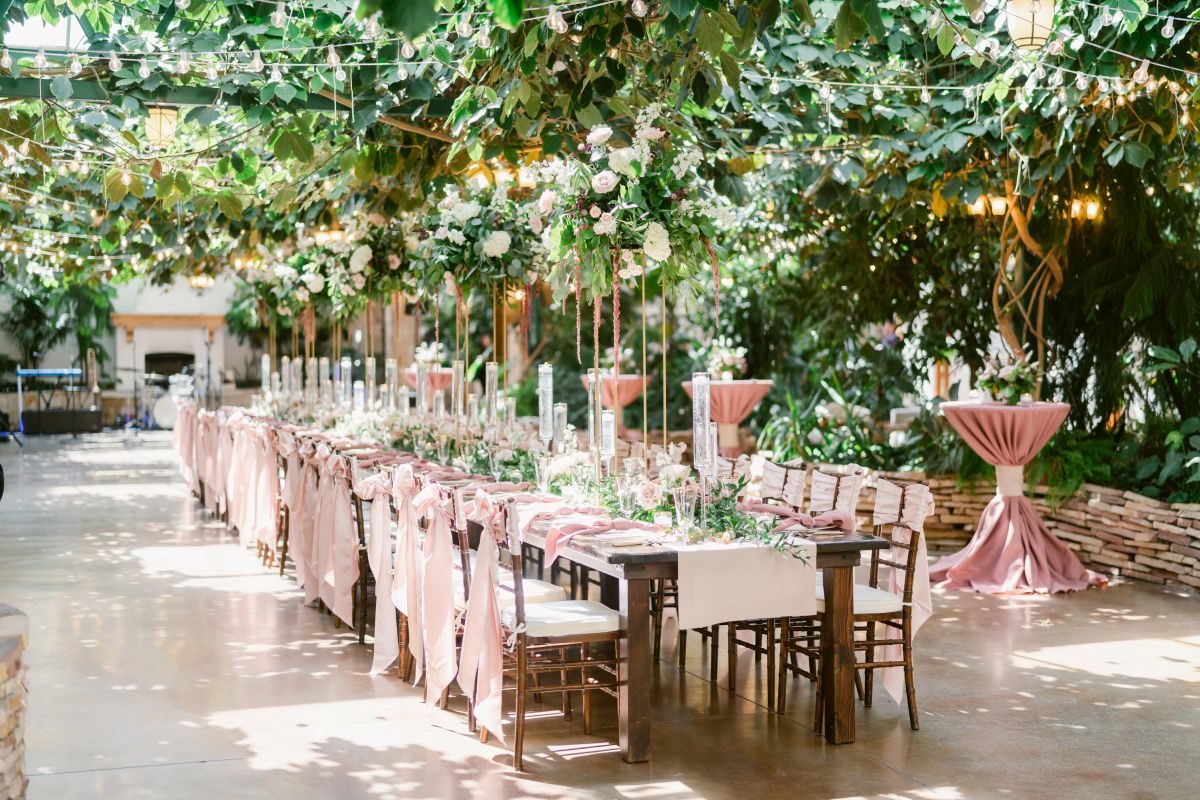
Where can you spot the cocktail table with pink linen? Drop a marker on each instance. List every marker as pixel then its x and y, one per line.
pixel 730 402
pixel 436 378
pixel 1011 550
pixel 618 391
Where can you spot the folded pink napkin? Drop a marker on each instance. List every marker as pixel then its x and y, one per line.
pixel 558 536
pixel 795 519
pixel 496 487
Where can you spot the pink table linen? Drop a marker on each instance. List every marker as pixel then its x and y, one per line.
pixel 481 659
pixel 440 378
pixel 730 402
pixel 437 591
pixel 1011 550
pixel 377 488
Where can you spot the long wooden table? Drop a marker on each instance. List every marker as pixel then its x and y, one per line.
pixel 637 566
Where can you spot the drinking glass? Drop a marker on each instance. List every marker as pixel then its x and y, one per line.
pixel 684 498
pixel 541 472
pixel 627 496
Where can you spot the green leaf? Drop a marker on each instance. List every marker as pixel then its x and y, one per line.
pixel 709 35
pixel 61 87
pixel 507 13
pixel 410 17
pixel 1136 153
pixel 1187 349
pixel 230 204
pixel 731 70
pixel 1164 354
pixel 848 26
pixel 115 188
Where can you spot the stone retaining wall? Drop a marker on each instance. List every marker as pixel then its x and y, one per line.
pixel 1111 531
pixel 14 634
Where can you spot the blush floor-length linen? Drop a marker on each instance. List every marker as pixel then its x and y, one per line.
pixel 1011 550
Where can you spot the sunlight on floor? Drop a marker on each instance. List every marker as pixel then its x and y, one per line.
pixel 1147 659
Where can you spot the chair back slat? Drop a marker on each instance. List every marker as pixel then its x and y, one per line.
pixel 836 492
pixel 899 516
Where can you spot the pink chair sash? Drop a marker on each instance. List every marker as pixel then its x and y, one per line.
pixel 377 488
pixel 437 595
pixel 795 519
pixel 407 575
pixel 481 662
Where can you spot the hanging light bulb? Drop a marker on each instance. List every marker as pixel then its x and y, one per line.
pixel 276 74
pixel 182 5
pixel 402 74
pixel 1056 78
pixel 1142 73
pixel 555 21
pixel 184 65
pixel 877 93
pixel 407 50
pixel 485 39
pixel 6 60
pixel 278 17
pixel 925 97
pixel 371 27
pixel 339 73
pixel 638 7
pixel 1081 82
pixel 1168 30
pixel 464 27
pixel 143 69
pixel 211 72
pixel 825 93
pixel 256 62
pixel 1106 19
pixel 76 66
pixel 126 179
pixel 114 63
pixel 978 14
pixel 774 87
pixel 331 57
pixel 1055 47
pixel 40 61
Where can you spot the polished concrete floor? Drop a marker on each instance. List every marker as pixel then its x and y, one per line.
pixel 167 663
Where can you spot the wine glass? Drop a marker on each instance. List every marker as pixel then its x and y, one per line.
pixel 684 499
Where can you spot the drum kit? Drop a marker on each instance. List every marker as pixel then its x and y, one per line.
pixel 156 398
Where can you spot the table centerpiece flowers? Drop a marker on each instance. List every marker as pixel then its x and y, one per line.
pixel 1008 381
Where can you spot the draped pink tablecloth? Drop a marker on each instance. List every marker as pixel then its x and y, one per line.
pixel 440 378
pixel 730 402
pixel 1011 550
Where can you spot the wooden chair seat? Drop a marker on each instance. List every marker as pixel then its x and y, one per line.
pixel 565 618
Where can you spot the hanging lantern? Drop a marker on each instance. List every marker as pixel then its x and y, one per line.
pixel 160 125
pixel 1030 22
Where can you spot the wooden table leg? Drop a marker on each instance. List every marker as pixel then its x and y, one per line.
pixel 837 655
pixel 633 696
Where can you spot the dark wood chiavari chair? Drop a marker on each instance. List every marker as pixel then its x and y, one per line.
pixel 554 637
pixel 899 517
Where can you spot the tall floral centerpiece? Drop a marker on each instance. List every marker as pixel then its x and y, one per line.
pixel 625 203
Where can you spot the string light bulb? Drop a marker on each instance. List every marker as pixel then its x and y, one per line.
pixel 1168 30
pixel 639 9
pixel 182 5
pixel 877 93
pixel 339 73
pixel 276 75
pixel 555 20
pixel 407 50
pixel 925 96
pixel 402 74
pixel 184 65
pixel 76 66
pixel 1081 82
pixel 1142 73
pixel 256 62
pixel 464 27
pixel 331 57
pixel 774 87
pixel 6 60
pixel 40 61
pixel 485 39
pixel 114 63
pixel 211 72
pixel 278 16
pixel 126 179
pixel 143 69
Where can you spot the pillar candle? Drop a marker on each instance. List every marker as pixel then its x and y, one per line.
pixel 490 400
pixel 545 402
pixel 360 395
pixel 285 375
pixel 265 373
pixel 369 380
pixel 700 421
pixel 457 385
pixel 560 424
pixel 422 385
pixel 391 376
pixel 439 403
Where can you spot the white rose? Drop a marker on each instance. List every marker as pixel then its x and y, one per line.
pixel 302 295
pixel 599 135
pixel 441 233
pixel 594 212
pixel 604 182
pixel 535 224
pixel 360 281
pixel 465 212
pixel 456 236
pixel 546 201
pixel 393 261
pixel 283 310
pixel 360 258
pixel 621 160
pixel 1007 372
pixel 606 225
pixel 651 133
pixel 496 244
pixel 656 245
pixel 314 282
